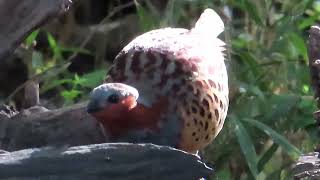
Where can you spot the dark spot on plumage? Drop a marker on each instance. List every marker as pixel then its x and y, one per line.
pixel 188 124
pixel 195 102
pixel 121 63
pixel 119 77
pixel 198 92
pixel 207 137
pixel 221 105
pixel 210 98
pixel 184 101
pixel 189 75
pixel 183 81
pixel 178 69
pixel 175 87
pixel 194 133
pixel 164 62
pixel 205 103
pixel 213 129
pixel 209 115
pixel 197 139
pixel 212 84
pixel 135 64
pixel 198 129
pixel 150 59
pixel 164 79
pixel 190 88
pixel 195 121
pixel 206 85
pixel 216 112
pixel 202 111
pixel 109 76
pixel 188 112
pixel 201 123
pixel 180 94
pixel 216 98
pixel 194 109
pixel 206 125
pixel 150 73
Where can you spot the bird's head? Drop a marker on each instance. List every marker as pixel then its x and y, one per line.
pixel 111 100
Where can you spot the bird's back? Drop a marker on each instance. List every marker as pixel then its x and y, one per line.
pixel 186 69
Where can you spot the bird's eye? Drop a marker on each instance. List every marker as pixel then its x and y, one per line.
pixel 113 98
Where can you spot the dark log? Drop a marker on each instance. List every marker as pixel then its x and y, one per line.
pixel 308 166
pixel 18 18
pixel 102 161
pixel 37 126
pixel 314 65
pixel 314 58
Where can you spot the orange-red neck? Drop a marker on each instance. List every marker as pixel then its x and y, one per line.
pixel 126 119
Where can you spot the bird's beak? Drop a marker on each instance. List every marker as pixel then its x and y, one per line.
pixel 93 106
pixel 130 102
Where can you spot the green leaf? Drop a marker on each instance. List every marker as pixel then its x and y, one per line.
pixel 305 88
pixel 54 46
pixel 307 22
pixel 247 146
pixel 54 83
pixel 242 41
pixel 147 20
pixel 281 105
pixel 93 79
pixel 52 41
pixel 253 66
pixel 78 80
pixel 31 38
pixel 252 10
pixel 276 137
pixel 223 174
pixel 299 44
pixel 70 95
pixel 267 156
pixel 316 6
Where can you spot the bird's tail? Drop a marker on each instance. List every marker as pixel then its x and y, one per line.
pixel 209 24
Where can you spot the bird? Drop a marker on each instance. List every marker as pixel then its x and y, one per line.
pixel 168 86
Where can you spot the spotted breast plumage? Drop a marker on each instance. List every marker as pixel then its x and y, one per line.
pixel 168 86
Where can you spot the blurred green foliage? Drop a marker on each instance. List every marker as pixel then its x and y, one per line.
pixel 73 88
pixel 270 118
